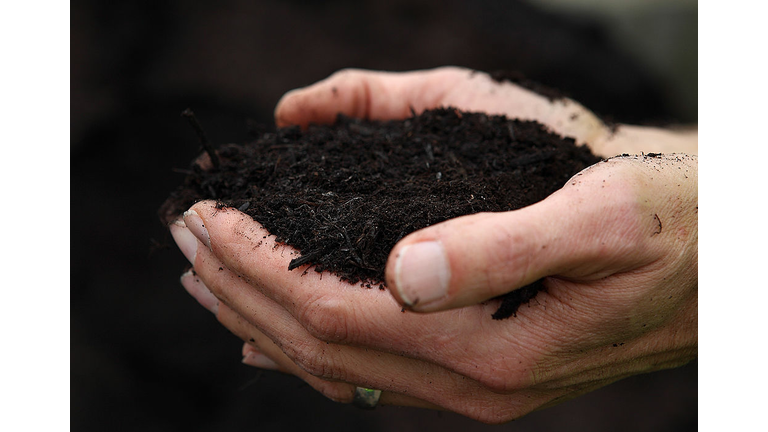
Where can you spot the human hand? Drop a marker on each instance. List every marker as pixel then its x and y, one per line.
pixel 611 276
pixel 391 95
pixel 623 301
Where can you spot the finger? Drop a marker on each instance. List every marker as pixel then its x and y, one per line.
pixel 595 226
pixel 362 366
pixel 254 357
pixel 337 391
pixel 269 355
pixel 366 94
pixel 245 247
pixel 329 361
pixel 328 308
pixel 425 390
pixel 333 311
pixel 194 286
pixel 317 309
pixel 558 391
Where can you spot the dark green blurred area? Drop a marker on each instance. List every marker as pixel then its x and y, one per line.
pixel 145 356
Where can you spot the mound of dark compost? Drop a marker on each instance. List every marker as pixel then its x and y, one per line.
pixel 343 195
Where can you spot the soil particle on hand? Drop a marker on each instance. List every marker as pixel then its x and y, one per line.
pixel 343 195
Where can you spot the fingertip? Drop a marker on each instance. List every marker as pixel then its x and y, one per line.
pixel 199 219
pixel 185 240
pixel 259 360
pixel 319 103
pixel 287 112
pixel 203 207
pixel 248 348
pixel 197 289
pixel 349 91
pixel 393 270
pixel 196 225
pixel 420 275
pixel 210 210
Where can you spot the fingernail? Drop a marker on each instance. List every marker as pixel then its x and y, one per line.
pixel 422 273
pixel 185 240
pixel 196 225
pixel 259 360
pixel 197 289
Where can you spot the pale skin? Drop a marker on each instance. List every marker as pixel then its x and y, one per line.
pixel 617 246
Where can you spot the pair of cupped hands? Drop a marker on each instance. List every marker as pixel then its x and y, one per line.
pixel 617 247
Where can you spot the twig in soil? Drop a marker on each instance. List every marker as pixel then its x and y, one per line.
pixel 201 135
pixel 300 261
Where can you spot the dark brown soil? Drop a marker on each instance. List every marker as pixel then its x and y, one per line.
pixel 343 195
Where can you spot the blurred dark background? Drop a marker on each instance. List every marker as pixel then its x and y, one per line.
pixel 144 355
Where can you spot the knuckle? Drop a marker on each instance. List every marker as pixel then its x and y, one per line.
pixel 624 220
pixel 327 319
pixel 512 249
pixel 311 365
pixel 617 223
pixel 311 358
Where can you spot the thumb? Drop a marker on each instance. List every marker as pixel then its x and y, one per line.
pixel 587 230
